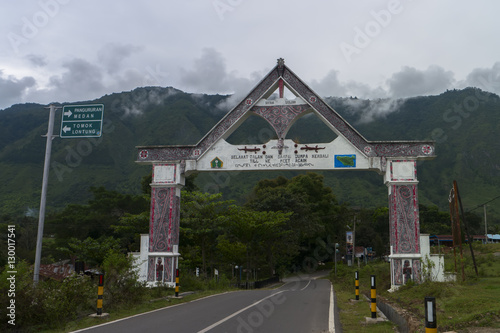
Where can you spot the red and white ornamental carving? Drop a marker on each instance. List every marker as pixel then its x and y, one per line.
pixel 427 149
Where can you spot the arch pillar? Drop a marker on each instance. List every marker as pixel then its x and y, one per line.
pixel 163 239
pixel 404 223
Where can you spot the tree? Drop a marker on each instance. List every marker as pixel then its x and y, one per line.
pixel 380 220
pixel 372 229
pixel 257 232
pixel 104 214
pixel 202 217
pixel 433 221
pixel 315 210
pixel 129 228
pixel 25 237
pixel 91 251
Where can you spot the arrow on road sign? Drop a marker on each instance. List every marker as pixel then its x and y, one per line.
pixel 66 128
pixel 68 113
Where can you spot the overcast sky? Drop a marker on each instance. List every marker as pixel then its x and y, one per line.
pixel 69 50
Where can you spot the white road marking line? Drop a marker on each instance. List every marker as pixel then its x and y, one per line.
pixel 237 313
pixel 331 321
pixel 144 313
pixel 306 285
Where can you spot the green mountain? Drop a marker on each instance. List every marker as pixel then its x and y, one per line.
pixel 464 123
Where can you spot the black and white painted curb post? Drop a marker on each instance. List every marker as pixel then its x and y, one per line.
pixel 430 315
pixel 356 284
pixel 373 297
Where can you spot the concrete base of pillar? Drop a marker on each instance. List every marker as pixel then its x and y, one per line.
pixel 423 266
pixel 147 265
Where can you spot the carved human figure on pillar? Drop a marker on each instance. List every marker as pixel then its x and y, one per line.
pixel 407 271
pixel 159 270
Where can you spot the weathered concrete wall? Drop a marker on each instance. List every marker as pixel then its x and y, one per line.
pixel 394 316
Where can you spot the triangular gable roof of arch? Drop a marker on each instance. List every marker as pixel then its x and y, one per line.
pixel 308 101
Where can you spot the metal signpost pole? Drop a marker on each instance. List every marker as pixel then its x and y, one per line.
pixel 45 181
pixel 78 121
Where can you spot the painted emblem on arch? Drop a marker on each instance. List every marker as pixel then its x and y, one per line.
pixel 345 161
pixel 216 163
pixel 427 150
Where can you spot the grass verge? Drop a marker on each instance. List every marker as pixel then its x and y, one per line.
pixel 353 313
pixel 461 305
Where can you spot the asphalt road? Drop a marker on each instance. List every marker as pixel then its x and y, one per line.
pixel 300 305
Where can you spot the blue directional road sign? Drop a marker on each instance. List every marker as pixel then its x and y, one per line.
pixel 82 121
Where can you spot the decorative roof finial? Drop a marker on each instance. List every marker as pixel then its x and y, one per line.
pixel 281 66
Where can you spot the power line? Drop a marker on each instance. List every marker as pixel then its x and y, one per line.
pixel 480 205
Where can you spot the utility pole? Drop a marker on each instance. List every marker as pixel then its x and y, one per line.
pixel 457 193
pixel 485 226
pixel 484 209
pixel 336 250
pixel 45 181
pixel 354 242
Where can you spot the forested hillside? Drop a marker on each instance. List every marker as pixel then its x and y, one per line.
pixel 464 123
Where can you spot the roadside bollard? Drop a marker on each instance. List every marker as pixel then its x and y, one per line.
pixel 100 291
pixel 356 284
pixel 373 297
pixel 177 282
pixel 430 315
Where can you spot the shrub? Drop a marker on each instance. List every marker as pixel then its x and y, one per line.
pixel 120 281
pixel 51 304
pixel 47 304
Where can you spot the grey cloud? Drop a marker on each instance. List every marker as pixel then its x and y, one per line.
pixel 129 80
pixel 12 89
pixel 365 109
pixel 329 85
pixel 112 55
pixel 209 75
pixel 137 101
pixel 364 90
pixel 485 78
pixel 241 87
pixel 413 82
pixel 80 79
pixel 37 60
pixel 368 110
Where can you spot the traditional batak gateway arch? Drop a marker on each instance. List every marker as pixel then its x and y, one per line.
pixel 395 160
